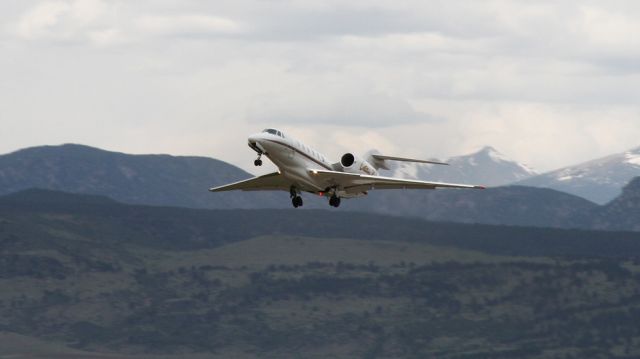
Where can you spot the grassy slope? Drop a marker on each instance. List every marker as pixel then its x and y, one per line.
pixel 241 258
pixel 96 276
pixel 330 296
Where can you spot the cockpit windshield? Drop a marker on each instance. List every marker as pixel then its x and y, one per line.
pixel 273 132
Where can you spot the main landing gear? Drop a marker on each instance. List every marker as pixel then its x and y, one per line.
pixel 296 200
pixel 258 161
pixel 334 201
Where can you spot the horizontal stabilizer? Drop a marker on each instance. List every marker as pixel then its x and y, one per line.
pixel 403 159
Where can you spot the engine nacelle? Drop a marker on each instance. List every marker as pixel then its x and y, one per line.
pixel 354 164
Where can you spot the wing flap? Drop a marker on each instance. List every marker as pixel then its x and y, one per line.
pixel 353 181
pixel 269 182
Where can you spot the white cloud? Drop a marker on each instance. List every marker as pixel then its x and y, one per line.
pixel 42 19
pixel 108 23
pixel 60 20
pixel 608 30
pixel 191 24
pixel 335 108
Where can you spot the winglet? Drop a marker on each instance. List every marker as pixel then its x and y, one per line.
pixel 480 187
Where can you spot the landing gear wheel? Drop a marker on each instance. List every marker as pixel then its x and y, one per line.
pixel 334 201
pixel 296 201
pixel 257 162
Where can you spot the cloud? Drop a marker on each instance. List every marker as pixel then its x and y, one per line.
pixel 110 23
pixel 538 80
pixel 189 24
pixel 59 20
pixel 365 110
pixel 39 21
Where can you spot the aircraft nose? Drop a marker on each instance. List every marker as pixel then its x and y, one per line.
pixel 255 138
pixel 254 142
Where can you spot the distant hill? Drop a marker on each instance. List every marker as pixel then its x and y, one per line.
pixel 486 167
pixel 183 181
pixel 511 205
pixel 599 181
pixel 143 179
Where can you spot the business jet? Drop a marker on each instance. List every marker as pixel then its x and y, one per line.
pixel 303 169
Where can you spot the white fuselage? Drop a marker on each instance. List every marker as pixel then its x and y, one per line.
pixel 295 159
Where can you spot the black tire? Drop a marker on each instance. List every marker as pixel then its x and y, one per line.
pixel 257 163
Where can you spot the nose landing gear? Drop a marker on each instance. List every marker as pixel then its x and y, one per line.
pixel 258 161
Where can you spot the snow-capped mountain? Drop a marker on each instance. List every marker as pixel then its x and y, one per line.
pixel 485 167
pixel 599 180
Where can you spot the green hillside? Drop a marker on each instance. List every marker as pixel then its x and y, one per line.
pixel 87 277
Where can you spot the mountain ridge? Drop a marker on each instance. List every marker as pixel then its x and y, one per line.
pixel 487 166
pixel 156 179
pixel 164 180
pixel 599 180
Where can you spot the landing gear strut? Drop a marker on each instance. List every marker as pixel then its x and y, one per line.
pixel 334 201
pixel 296 200
pixel 258 161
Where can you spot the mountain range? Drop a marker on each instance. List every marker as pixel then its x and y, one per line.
pixel 599 181
pixel 163 180
pixel 487 167
pixel 159 180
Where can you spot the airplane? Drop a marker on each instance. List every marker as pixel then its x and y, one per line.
pixel 303 169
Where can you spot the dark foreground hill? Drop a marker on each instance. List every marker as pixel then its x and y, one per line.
pixel 623 212
pixel 87 277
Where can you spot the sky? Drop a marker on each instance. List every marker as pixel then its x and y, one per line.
pixel 547 83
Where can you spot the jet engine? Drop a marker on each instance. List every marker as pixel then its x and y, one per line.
pixel 351 163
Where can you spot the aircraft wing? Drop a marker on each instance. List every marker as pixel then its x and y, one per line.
pixel 268 182
pixel 351 182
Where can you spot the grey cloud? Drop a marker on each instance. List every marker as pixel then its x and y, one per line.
pixel 196 66
pixel 374 110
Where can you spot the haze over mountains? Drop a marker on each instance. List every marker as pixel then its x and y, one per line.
pixel 599 181
pixel 183 181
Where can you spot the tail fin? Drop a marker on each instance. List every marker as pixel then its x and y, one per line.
pixel 381 161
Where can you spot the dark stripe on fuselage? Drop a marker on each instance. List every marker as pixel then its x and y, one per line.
pixel 302 153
